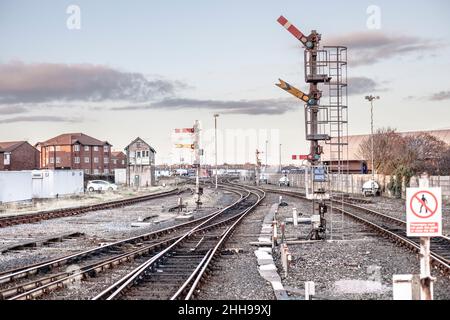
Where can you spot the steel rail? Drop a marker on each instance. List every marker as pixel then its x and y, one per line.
pixel 437 259
pixel 112 291
pixel 6 221
pixel 220 243
pixel 129 280
pixel 44 285
pixel 22 272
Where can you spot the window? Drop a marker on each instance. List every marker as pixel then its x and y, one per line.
pixel 106 171
pixel 86 148
pixel 76 159
pixel 138 154
pixel 95 171
pixel 147 154
pixel 115 161
pixel 58 148
pixel 52 160
pixel 123 161
pixel 58 160
pixel 105 148
pixel 105 160
pixel 7 159
pixel 86 159
pixel 86 171
pixel 76 148
pixel 95 160
pixel 95 148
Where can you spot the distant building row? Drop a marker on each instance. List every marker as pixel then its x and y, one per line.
pixel 78 151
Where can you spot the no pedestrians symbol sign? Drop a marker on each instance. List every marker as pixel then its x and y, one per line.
pixel 423 212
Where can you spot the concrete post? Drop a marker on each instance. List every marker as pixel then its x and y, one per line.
pixel 406 287
pixel 275 233
pixel 295 216
pixel 286 258
pixel 282 229
pixel 426 281
pixel 310 290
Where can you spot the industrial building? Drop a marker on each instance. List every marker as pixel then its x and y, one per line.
pixel 356 163
pixel 18 155
pixel 76 151
pixel 141 164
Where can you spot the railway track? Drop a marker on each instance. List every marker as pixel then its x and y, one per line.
pixel 177 271
pixel 7 221
pixel 389 227
pixel 34 281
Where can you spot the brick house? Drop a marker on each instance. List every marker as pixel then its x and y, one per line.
pixel 118 160
pixel 141 164
pixel 18 155
pixel 76 151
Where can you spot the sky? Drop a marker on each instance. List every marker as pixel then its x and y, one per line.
pixel 144 68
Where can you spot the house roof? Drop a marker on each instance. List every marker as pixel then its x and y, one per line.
pixel 355 141
pixel 139 139
pixel 117 153
pixel 8 146
pixel 73 138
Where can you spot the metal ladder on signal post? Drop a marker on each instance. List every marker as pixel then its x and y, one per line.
pixel 338 131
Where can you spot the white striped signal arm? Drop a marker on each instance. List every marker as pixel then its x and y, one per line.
pixel 294 31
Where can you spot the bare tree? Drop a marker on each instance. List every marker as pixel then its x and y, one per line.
pixel 390 150
pixel 413 153
pixel 426 151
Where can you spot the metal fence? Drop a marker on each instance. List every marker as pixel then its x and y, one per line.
pixel 353 182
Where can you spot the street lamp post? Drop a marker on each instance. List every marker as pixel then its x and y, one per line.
pixel 215 141
pixel 280 158
pixel 370 99
pixel 267 142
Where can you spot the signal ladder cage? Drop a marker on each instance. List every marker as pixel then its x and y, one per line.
pixel 338 143
pixel 331 127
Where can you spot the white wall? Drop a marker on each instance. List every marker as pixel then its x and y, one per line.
pixel 49 183
pixel 120 176
pixel 15 186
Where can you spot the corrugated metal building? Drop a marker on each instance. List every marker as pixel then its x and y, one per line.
pixel 15 186
pixel 55 183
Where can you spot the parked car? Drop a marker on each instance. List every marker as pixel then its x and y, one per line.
pixel 263 179
pixel 367 188
pixel 284 181
pixel 100 185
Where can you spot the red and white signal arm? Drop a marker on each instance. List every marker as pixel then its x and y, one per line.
pixel 424 212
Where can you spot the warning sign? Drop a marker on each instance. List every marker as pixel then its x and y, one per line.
pixel 423 212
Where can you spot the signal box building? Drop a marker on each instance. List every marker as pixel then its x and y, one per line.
pixel 140 164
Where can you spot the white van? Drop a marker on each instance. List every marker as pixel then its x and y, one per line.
pixel 284 181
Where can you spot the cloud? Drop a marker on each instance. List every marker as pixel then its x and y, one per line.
pixel 40 119
pixel 440 96
pixel 361 85
pixel 357 85
pixel 370 47
pixel 47 82
pixel 12 109
pixel 249 107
